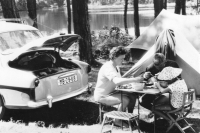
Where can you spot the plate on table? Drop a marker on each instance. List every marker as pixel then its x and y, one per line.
pixel 126 86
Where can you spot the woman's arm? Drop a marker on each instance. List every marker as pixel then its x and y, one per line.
pixel 162 90
pixel 121 81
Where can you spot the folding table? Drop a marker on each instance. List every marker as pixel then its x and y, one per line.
pixel 146 90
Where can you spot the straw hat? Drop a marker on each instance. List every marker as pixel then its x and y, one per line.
pixel 169 73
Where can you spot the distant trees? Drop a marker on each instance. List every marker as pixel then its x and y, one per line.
pixel 165 4
pixel 69 15
pixel 183 7
pixel 59 2
pixel 9 9
pixel 125 16
pixel 136 18
pixel 158 6
pixel 180 5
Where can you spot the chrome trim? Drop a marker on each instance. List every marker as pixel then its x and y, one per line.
pixel 33 104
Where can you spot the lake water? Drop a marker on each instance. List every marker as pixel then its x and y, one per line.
pixel 55 20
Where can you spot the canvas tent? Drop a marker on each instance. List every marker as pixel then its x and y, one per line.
pixel 187 37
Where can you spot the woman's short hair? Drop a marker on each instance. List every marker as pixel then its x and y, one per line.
pixel 116 52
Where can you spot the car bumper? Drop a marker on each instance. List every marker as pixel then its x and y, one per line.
pixel 33 104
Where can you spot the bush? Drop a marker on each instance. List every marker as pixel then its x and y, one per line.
pixel 104 40
pixel 42 4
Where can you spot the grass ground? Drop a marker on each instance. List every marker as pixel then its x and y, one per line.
pixel 77 115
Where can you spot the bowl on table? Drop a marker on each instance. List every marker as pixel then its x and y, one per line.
pixel 138 86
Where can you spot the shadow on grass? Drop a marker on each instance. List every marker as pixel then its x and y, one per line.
pixel 161 126
pixel 79 112
pixel 71 111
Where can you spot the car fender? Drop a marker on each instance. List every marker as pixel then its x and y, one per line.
pixel 20 98
pixel 14 78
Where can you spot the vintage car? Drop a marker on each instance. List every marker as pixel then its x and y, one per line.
pixel 37 70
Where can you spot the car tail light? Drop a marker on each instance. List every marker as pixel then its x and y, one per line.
pixel 88 69
pixel 37 82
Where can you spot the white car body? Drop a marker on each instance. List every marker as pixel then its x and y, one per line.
pixel 34 74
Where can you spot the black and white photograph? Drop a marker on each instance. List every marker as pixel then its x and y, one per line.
pixel 99 66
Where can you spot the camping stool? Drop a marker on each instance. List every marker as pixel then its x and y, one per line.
pixel 121 116
pixel 102 111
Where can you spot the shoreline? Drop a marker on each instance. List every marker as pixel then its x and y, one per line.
pixel 115 8
pixel 121 7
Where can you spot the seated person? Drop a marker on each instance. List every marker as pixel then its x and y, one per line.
pixel 159 62
pixel 109 78
pixel 171 88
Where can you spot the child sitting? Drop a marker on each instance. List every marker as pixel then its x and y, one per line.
pixel 171 88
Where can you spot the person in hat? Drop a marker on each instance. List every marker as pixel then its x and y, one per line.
pixel 159 63
pixel 171 86
pixel 109 78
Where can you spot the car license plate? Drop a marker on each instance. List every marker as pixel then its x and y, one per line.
pixel 68 79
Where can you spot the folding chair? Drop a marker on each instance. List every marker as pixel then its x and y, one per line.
pixel 110 117
pixel 103 108
pixel 180 113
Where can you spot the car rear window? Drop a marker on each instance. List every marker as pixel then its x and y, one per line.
pixel 17 39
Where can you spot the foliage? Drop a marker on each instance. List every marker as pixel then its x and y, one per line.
pixel 21 4
pixel 42 4
pixel 60 2
pixel 121 2
pixel 9 9
pixel 104 40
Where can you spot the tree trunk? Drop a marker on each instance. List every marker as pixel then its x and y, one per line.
pixel 125 16
pixel 161 5
pixel 9 9
pixel 69 16
pixel 82 28
pixel 178 7
pixel 32 11
pixel 165 4
pixel 183 7
pixel 158 6
pixel 136 19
